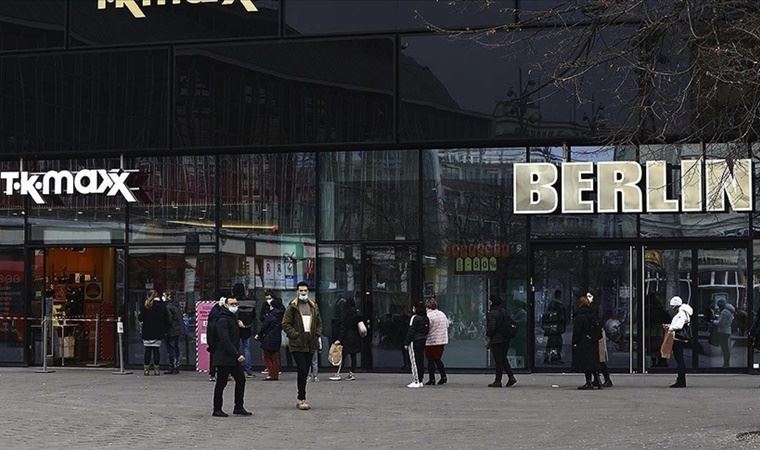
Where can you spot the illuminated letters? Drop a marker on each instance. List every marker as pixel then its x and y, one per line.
pixel 83 182
pixel 135 6
pixel 535 182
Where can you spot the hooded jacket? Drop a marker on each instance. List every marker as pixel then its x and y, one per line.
pixel 227 345
pixel 271 330
pixel 725 319
pixel 681 319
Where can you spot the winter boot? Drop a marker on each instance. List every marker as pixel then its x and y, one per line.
pixel 146 370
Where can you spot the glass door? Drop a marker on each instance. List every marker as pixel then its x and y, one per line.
pixel 390 288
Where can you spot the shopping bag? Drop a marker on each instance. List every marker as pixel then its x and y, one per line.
pixel 361 328
pixel 666 349
pixel 336 354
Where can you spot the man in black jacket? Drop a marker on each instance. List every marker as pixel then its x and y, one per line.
pixel 497 332
pixel 227 358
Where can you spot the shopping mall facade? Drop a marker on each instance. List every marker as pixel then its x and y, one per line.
pixel 339 143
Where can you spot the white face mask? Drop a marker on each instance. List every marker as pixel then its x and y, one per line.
pixel 233 309
pixel 303 297
pixel 269 301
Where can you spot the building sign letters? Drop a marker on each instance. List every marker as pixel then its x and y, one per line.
pixel 630 187
pixel 84 182
pixel 135 6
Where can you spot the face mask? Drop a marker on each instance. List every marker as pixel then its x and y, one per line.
pixel 233 309
pixel 269 301
pixel 303 297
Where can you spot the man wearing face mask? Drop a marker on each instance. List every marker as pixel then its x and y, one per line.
pixel 228 358
pixel 303 325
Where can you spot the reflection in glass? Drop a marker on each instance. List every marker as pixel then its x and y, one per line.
pixel 175 200
pixel 76 218
pixel 474 247
pixel 11 211
pixel 188 272
pixel 723 319
pixel 12 304
pixel 369 195
pixel 32 24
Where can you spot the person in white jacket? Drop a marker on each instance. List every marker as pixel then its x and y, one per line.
pixel 682 336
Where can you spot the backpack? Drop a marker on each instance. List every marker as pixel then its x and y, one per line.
pixel 508 325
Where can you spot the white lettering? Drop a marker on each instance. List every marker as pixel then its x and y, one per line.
pixel 721 183
pixel 533 191
pixel 574 185
pixel 657 188
pixel 137 12
pixel 84 182
pixel 623 178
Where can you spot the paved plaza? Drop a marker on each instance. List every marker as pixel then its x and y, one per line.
pixel 81 408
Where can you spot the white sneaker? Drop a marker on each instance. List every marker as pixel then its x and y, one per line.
pixel 414 385
pixel 335 377
pixel 265 372
pixel 315 379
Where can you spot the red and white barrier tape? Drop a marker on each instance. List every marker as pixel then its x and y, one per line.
pixel 59 319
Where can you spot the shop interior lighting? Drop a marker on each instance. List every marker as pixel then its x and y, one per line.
pixel 233 226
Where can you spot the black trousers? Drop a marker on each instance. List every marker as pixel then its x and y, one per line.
pixel 418 347
pixel 222 373
pixel 725 346
pixel 500 360
pixel 154 352
pixel 303 364
pixel 353 361
pixel 432 365
pixel 678 347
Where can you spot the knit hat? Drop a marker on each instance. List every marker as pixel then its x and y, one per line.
pixel 676 302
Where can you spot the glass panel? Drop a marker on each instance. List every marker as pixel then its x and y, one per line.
pixel 340 279
pixel 285 93
pixel 176 200
pixel 369 195
pixel 724 319
pixel 32 24
pixel 609 276
pixel 75 102
pixel 474 247
pixel 91 26
pixel 41 306
pixel 80 219
pixel 667 273
pixel 11 211
pixel 391 286
pixel 556 283
pixel 12 304
pixel 188 272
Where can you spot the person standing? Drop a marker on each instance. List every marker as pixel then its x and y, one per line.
pixel 303 326
pixel 348 336
pixel 247 317
pixel 586 335
pixel 228 359
pixel 498 323
pixel 266 306
pixel 603 354
pixel 554 323
pixel 436 341
pixel 681 327
pixel 723 329
pixel 270 337
pixel 155 322
pixel 416 336
pixel 176 327
pixel 211 331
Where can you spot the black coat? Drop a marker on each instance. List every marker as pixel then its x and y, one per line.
pixel 496 325
pixel 227 339
pixel 155 321
pixel 586 335
pixel 270 334
pixel 418 328
pixel 348 332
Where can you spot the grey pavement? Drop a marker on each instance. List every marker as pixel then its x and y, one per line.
pixel 90 408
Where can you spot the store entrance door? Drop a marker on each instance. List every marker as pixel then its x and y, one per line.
pixel 79 288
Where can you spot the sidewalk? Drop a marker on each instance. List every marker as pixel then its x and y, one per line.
pixel 90 408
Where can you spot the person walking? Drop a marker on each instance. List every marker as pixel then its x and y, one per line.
pixel 213 315
pixel 155 322
pixel 247 317
pixel 603 354
pixel 416 336
pixel 228 359
pixel 498 324
pixel 680 326
pixel 175 330
pixel 303 326
pixel 348 336
pixel 723 329
pixel 436 341
pixel 586 335
pixel 270 337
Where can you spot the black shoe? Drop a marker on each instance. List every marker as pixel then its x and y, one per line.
pixel 169 372
pixel 495 384
pixel 430 382
pixel 586 387
pixel 242 412
pixel 220 413
pixel 511 381
pixel 443 380
pixel 678 384
pixel 597 384
pixel 607 383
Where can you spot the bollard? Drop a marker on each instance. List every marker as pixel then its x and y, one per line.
pixel 44 347
pixel 120 331
pixel 97 341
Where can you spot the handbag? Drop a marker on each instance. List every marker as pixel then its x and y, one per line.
pixel 361 328
pixel 666 349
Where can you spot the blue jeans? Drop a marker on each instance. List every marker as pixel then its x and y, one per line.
pixel 172 347
pixel 245 348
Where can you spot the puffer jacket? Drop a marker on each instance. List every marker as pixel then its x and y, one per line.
pixel 681 319
pixel 439 328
